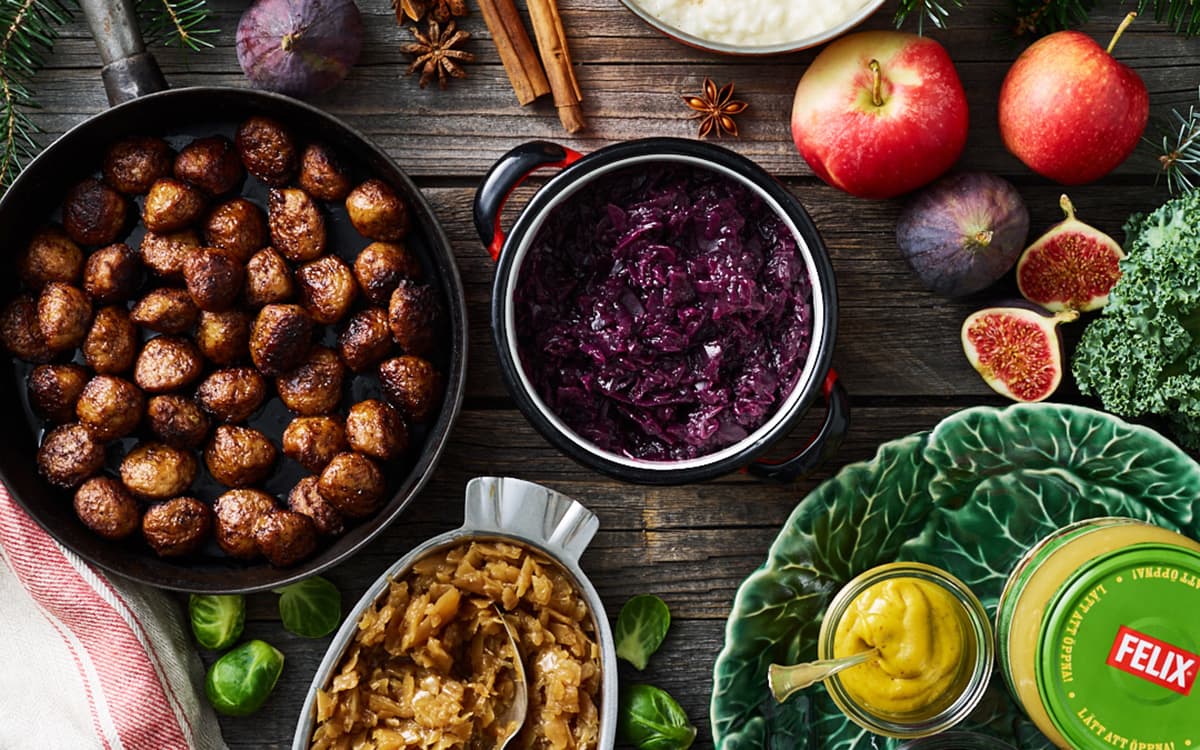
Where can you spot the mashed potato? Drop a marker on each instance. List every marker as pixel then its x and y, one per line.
pixel 753 23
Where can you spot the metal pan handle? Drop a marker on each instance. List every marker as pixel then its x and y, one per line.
pixel 530 511
pixel 129 70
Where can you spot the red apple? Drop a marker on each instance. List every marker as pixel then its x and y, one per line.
pixel 880 113
pixel 1069 110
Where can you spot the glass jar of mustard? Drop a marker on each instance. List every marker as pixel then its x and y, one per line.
pixel 934 650
pixel 1098 631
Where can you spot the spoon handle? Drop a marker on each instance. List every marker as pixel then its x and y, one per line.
pixel 786 680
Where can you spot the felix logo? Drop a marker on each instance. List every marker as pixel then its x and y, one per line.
pixel 1153 660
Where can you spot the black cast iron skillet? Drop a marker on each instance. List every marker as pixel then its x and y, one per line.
pixel 142 105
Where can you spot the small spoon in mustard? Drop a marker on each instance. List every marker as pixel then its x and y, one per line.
pixel 785 680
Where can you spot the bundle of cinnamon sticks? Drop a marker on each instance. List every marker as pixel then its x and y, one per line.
pixel 522 64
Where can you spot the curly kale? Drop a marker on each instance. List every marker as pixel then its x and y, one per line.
pixel 1142 355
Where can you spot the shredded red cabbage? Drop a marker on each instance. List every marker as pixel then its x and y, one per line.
pixel 663 312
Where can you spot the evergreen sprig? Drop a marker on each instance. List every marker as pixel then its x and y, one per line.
pixel 934 11
pixel 1179 150
pixel 175 22
pixel 1039 17
pixel 1181 15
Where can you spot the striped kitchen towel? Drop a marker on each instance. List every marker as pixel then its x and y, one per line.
pixel 88 660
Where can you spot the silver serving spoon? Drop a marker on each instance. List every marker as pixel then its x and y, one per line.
pixel 514 716
pixel 785 680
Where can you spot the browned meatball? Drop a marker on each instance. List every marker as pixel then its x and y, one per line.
pixel 110 407
pixel 322 175
pixel 413 314
pixel 111 345
pixel 224 337
pixel 413 385
pixel 54 390
pixel 50 256
pixel 214 278
pixel 177 421
pixel 376 429
pixel 20 331
pixel 267 150
pixel 366 339
pixel 64 315
pixel 285 538
pixel 166 364
pixel 306 498
pixel 280 338
pixel 112 274
pixel 164 254
pixel 172 205
pixel 232 394
pixel 327 288
pixel 177 527
pixel 132 164
pixel 239 514
pixel 296 225
pixel 69 454
pixel 380 266
pixel 353 484
pixel 312 442
pixel 94 214
pixel 107 508
pixel 377 212
pixel 237 226
pixel 315 387
pixel 166 310
pixel 239 456
pixel 155 471
pixel 211 164
pixel 268 279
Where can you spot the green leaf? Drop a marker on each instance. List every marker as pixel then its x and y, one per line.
pixel 641 628
pixel 217 619
pixel 240 681
pixel 650 719
pixel 311 608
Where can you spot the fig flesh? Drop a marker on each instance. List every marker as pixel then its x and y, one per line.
pixel 299 47
pixel 1073 266
pixel 1017 350
pixel 963 233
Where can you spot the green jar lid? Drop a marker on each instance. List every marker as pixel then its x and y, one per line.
pixel 1119 652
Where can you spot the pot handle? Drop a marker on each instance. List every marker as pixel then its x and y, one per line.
pixel 505 176
pixel 821 447
pixel 528 510
pixel 128 71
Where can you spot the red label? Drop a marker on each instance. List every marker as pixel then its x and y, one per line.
pixel 1153 660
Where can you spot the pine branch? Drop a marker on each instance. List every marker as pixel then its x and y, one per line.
pixel 1181 15
pixel 934 11
pixel 1179 150
pixel 1041 17
pixel 170 22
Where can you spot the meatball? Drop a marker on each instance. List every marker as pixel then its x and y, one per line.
pixel 167 363
pixel 94 214
pixel 327 289
pixel 377 212
pixel 172 205
pixel 412 314
pixel 285 538
pixel 155 471
pixel 267 150
pixel 233 394
pixel 239 513
pixel 50 256
pixel 280 338
pixel 376 429
pixel 177 527
pixel 237 226
pixel 353 484
pixel 411 384
pixel 268 279
pixel 224 337
pixel 111 345
pixel 112 274
pixel 166 310
pixel 366 339
pixel 296 225
pixel 132 164
pixel 54 390
pixel 380 266
pixel 20 331
pixel 64 315
pixel 177 421
pixel 69 454
pixel 107 508
pixel 239 456
pixel 110 407
pixel 214 278
pixel 306 498
pixel 322 175
pixel 211 164
pixel 164 254
pixel 312 442
pixel 315 387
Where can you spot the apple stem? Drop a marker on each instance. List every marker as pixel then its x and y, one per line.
pixel 1067 206
pixel 877 87
pixel 1120 30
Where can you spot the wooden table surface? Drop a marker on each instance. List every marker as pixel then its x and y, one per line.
pixel 897 349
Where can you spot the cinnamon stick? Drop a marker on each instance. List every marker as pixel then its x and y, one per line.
pixel 516 50
pixel 552 42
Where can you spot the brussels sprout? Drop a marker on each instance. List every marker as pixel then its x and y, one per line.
pixel 311 608
pixel 239 682
pixel 650 719
pixel 217 619
pixel 641 628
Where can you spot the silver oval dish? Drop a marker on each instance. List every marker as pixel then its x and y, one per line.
pixel 498 508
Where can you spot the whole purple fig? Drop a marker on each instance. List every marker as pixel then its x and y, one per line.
pixel 299 47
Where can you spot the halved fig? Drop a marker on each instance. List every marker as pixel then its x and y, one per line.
pixel 1017 350
pixel 1073 266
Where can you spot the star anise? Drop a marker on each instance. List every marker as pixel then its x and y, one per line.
pixel 440 10
pixel 716 109
pixel 413 10
pixel 436 53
